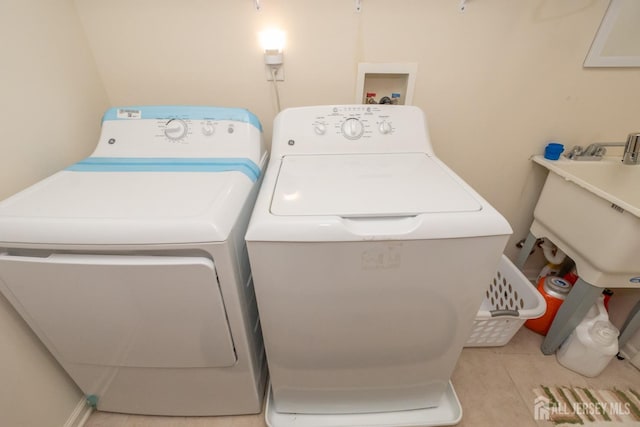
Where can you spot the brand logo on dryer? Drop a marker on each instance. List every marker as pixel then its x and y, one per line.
pixel 127 113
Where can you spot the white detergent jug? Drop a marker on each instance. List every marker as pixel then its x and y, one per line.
pixel 592 345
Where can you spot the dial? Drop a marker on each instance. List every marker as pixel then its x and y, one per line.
pixel 320 128
pixel 176 129
pixel 207 128
pixel 352 128
pixel 384 127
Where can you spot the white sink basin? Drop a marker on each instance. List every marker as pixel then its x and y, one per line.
pixel 591 210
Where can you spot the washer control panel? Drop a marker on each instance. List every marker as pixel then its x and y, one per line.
pixel 354 122
pixel 350 129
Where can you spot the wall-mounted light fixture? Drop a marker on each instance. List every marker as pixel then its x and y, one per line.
pixel 272 42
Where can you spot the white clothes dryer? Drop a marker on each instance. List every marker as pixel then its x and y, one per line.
pixel 370 259
pixel 131 265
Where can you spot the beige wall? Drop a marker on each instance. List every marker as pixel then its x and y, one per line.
pixel 50 93
pixel 496 81
pixel 51 99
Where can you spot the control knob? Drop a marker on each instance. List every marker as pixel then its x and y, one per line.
pixel 352 128
pixel 207 128
pixel 384 127
pixel 319 128
pixel 175 129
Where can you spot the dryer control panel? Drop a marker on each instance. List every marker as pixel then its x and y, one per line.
pixel 180 131
pixel 350 129
pixel 189 131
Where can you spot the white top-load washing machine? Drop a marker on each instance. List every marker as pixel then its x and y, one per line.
pixel 370 259
pixel 131 265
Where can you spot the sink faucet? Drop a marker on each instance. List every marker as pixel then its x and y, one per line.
pixel 631 149
pixel 596 151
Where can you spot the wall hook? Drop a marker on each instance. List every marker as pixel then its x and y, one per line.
pixel 463 4
pixel 358 5
pixel 257 3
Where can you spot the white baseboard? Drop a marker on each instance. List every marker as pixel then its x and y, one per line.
pixel 80 414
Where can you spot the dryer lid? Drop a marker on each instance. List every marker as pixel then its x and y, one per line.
pixel 126 208
pixel 368 185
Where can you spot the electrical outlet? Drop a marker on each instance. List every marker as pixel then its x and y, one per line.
pixel 279 73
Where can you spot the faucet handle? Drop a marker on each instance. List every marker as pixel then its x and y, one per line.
pixel 576 151
pixel 592 150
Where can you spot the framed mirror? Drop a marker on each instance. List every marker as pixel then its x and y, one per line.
pixel 617 42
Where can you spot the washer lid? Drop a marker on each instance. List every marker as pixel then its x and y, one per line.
pixel 368 185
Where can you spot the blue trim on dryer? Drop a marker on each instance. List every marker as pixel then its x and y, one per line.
pixel 167 164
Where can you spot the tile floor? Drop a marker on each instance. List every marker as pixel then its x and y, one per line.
pixel 494 384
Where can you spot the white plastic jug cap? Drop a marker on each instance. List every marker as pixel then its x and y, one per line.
pixel 603 333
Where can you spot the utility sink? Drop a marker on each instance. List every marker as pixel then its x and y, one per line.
pixel 591 211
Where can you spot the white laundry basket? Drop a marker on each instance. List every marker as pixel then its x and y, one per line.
pixel 510 300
